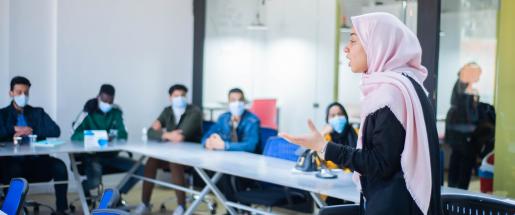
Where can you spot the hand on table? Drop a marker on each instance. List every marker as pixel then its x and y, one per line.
pixel 22 131
pixel 215 142
pixel 174 136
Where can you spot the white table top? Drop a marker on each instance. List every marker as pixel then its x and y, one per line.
pixel 249 165
pixel 241 164
pixel 69 147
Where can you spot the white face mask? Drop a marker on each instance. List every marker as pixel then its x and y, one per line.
pixel 21 100
pixel 104 107
pixel 179 102
pixel 236 108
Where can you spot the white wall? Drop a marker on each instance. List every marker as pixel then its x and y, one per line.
pixel 32 46
pixel 142 48
pixel 292 61
pixel 69 48
pixel 4 50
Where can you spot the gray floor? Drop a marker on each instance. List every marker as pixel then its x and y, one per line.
pixel 161 194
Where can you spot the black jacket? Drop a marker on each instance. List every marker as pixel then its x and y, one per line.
pixel 347 137
pixel 36 118
pixel 379 162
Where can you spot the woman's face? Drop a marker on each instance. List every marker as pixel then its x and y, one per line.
pixel 335 111
pixel 356 54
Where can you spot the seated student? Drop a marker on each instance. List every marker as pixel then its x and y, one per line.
pixel 236 130
pixel 20 120
pixel 338 130
pixel 177 123
pixel 101 114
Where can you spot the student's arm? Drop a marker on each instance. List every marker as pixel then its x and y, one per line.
pixel 120 126
pixel 156 134
pixel 192 125
pixel 78 133
pixel 383 157
pixel 214 129
pixel 6 132
pixel 249 141
pixel 46 127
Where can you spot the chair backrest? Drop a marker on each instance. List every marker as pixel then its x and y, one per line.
pixel 340 209
pixel 109 198
pixel 264 135
pixel 109 212
pixel 280 148
pixel 266 111
pixel 471 204
pixel 15 196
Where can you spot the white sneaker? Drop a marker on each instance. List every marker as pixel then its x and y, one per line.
pixel 179 210
pixel 141 209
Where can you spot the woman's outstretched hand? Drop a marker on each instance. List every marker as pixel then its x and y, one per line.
pixel 314 140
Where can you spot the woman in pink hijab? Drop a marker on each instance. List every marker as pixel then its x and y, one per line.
pixel 396 162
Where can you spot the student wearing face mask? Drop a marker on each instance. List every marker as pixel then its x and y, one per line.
pixel 338 130
pixel 177 123
pixel 101 113
pixel 235 130
pixel 20 119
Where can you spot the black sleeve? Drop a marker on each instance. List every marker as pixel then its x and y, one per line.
pixel 46 126
pixel 6 131
pixel 382 157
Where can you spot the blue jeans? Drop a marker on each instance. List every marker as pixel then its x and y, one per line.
pixel 97 164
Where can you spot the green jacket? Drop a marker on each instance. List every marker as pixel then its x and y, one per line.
pixel 190 124
pixel 97 120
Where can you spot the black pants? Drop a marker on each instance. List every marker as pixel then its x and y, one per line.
pixel 97 164
pixel 38 169
pixel 460 169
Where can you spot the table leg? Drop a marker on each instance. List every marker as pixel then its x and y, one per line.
pixel 130 173
pixel 202 194
pixel 78 184
pixel 215 189
pixel 317 199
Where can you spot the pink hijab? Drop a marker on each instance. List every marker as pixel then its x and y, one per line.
pixel 393 50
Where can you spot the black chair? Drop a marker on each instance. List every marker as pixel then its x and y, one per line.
pixel 471 204
pixel 340 210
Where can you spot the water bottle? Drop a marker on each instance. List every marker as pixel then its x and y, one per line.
pixel 144 136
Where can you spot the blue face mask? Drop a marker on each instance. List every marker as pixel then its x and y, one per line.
pixel 104 107
pixel 237 108
pixel 338 123
pixel 21 100
pixel 179 102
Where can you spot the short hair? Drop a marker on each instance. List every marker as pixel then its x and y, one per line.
pixel 107 89
pixel 237 90
pixel 177 87
pixel 19 80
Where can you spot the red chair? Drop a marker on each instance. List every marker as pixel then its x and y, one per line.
pixel 266 111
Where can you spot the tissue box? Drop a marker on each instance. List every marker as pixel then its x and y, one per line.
pixel 95 138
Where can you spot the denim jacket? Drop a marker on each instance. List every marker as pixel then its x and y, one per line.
pixel 247 131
